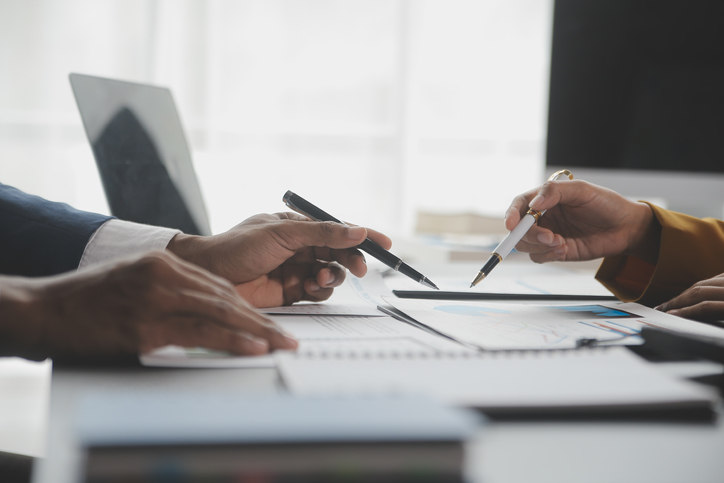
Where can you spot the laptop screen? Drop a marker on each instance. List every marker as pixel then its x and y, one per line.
pixel 141 153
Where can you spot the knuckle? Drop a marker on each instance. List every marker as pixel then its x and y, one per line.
pixel 153 264
pixel 547 187
pixel 706 306
pixel 281 236
pixel 328 229
pixel 519 201
pixel 695 292
pixel 224 309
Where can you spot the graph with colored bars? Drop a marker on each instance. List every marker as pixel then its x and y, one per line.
pixel 629 328
pixel 618 323
pixel 515 326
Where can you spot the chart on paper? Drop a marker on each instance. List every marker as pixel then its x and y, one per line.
pixel 495 325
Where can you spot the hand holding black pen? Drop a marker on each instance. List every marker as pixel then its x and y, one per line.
pixel 304 207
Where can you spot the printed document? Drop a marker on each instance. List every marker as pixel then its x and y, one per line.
pixel 521 325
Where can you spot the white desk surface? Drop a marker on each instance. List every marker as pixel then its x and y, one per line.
pixel 24 396
pixel 521 451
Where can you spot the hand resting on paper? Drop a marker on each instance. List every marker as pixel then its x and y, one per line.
pixel 703 301
pixel 113 312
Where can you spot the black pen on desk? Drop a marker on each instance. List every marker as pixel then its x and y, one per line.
pixel 510 241
pixel 304 207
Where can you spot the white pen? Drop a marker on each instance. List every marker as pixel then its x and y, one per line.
pixel 510 241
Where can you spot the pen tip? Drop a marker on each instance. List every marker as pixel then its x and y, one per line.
pixel 477 280
pixel 428 283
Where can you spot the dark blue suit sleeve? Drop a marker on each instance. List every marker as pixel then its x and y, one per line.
pixel 40 237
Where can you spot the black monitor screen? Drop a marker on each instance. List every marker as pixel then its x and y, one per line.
pixel 637 84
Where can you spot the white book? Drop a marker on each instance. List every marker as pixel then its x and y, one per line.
pixel 599 379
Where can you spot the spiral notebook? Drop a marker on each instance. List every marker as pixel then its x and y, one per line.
pixel 503 382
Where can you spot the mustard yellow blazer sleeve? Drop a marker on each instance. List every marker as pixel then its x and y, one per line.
pixel 691 249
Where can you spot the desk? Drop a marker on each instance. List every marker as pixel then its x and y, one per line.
pixel 505 451
pixel 24 387
pixel 538 451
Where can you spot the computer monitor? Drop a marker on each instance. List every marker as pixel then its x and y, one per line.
pixel 637 98
pixel 141 153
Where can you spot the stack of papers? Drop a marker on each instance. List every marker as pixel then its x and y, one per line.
pixel 584 380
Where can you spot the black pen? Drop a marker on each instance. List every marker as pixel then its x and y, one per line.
pixel 304 207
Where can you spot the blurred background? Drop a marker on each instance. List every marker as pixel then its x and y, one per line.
pixel 373 109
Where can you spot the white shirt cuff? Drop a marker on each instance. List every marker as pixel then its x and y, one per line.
pixel 120 239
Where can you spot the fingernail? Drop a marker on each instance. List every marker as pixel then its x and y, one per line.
pixel 326 277
pixel 314 286
pixel 536 202
pixel 659 307
pixel 356 232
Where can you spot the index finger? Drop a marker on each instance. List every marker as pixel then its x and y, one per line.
pixel 228 314
pixel 295 235
pixel 378 237
pixel 565 192
pixel 547 196
pixel 517 208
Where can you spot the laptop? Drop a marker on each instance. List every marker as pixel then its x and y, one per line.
pixel 141 153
